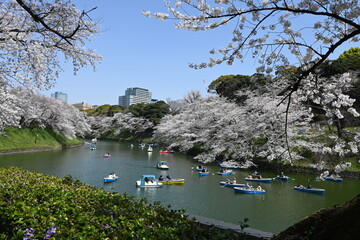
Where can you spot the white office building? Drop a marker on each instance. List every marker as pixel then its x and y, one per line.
pixel 134 96
pixel 60 95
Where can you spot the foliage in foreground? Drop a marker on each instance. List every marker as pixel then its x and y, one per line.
pixel 33 202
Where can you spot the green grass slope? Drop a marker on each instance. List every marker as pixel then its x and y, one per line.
pixel 15 139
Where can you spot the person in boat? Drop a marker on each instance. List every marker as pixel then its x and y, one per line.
pixel 282 174
pixel 259 188
pixel 250 176
pixel 309 186
pixel 199 167
pixel 228 180
pixel 257 175
pixel 146 179
pixel 161 178
pixel 234 181
pixel 168 177
pixel 248 185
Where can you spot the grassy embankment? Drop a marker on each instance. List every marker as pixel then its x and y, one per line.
pixel 68 209
pixel 15 139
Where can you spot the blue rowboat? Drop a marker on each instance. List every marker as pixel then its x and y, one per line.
pixel 225 172
pixel 267 180
pixel 204 173
pixel 111 178
pixel 333 179
pixel 225 184
pixel 310 190
pixel 283 178
pixel 248 190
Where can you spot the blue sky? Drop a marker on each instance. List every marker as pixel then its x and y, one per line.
pixel 147 53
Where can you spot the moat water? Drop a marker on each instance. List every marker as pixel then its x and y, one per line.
pixel 280 207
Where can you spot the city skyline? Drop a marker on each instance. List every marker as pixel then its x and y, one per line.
pixel 64 97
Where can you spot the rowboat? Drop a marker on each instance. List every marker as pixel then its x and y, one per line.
pixel 148 181
pixel 249 190
pixel 166 151
pixel 267 180
pixel 111 178
pixel 172 181
pixel 162 165
pixel 333 179
pixel 204 172
pixel 231 184
pixel 310 190
pixel 283 178
pixel 225 172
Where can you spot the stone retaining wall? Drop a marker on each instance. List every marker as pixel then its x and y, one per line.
pixel 248 233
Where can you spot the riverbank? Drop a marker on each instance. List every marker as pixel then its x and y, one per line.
pixel 23 140
pixel 287 168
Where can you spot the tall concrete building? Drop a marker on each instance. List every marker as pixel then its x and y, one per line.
pixel 134 96
pixel 60 95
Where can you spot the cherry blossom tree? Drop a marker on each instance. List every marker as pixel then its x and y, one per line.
pixel 8 109
pixel 274 32
pixel 33 34
pixel 271 29
pixel 192 96
pixel 280 34
pixel 175 106
pixel 120 122
pixel 223 129
pixel 35 110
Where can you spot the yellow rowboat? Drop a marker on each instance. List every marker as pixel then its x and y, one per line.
pixel 173 181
